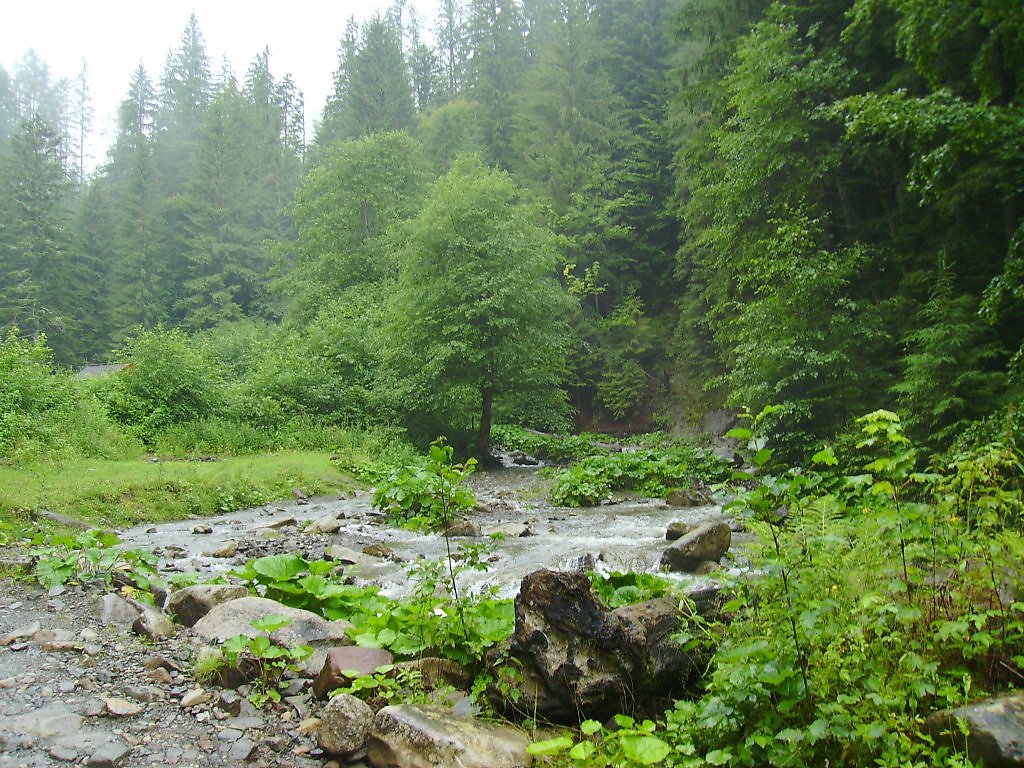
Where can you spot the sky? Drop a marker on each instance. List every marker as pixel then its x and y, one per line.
pixel 113 36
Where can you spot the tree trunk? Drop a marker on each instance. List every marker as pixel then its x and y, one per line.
pixel 483 440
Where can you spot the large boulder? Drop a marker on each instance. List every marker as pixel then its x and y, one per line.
pixel 707 543
pixel 409 736
pixel 190 604
pixel 344 725
pixel 995 730
pixel 575 658
pixel 235 617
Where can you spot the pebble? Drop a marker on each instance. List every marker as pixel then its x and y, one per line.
pixel 63 753
pixel 195 697
pixel 229 734
pixel 242 749
pixel 109 755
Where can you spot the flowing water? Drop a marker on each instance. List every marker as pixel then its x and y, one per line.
pixel 627 536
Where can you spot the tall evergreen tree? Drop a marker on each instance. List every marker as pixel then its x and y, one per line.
pixel 34 240
pixel 496 59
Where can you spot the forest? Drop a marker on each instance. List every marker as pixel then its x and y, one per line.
pixel 811 204
pixel 577 228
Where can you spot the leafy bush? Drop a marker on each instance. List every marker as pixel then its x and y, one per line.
pixel 557 448
pixel 166 381
pixel 93 556
pixel 651 471
pixel 45 413
pixel 884 596
pixel 459 627
pixel 428 494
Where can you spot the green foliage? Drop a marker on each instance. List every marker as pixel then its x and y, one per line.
pixel 389 685
pixel 629 743
pixel 262 661
pixel 557 448
pixel 501 335
pixel 880 601
pixel 93 555
pixel 436 619
pixel 428 495
pixel 309 585
pixel 165 381
pixel 618 589
pixel 44 413
pixel 647 470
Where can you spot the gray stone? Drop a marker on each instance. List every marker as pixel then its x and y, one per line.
pixel 463 527
pixel 341 661
pixel 235 617
pixel 328 524
pixel 408 736
pixel 21 632
pixel 708 542
pixel 114 609
pixel 685 497
pixel 50 721
pixel 190 604
pixel 344 725
pixel 152 622
pixel 996 730
pixel 118 707
pixel 242 750
pixel 109 754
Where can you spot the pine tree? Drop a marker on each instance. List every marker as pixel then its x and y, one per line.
pixel 34 240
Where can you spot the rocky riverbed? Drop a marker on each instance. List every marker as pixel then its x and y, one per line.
pixel 80 686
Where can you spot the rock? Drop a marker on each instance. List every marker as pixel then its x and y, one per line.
pixel 118 707
pixel 235 617
pixel 242 750
pixel 152 623
pixel 575 658
pixel 344 555
pixel 686 497
pixel 109 754
pixel 344 725
pixel 328 524
pixel 29 630
pixel 362 661
pixel 708 542
pixel 190 604
pixel 50 721
pixel 408 736
pixel 202 530
pixel 996 737
pixel 195 697
pixel 114 609
pixel 225 551
pixel 382 551
pixel 463 527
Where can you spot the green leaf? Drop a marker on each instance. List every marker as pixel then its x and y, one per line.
pixel 280 567
pixel 553 746
pixel 646 750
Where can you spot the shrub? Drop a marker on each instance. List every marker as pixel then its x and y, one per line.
pixel 45 413
pixel 166 381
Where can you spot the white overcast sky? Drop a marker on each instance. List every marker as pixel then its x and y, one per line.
pixel 114 36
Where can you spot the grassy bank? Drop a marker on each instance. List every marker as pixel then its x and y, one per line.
pixel 118 493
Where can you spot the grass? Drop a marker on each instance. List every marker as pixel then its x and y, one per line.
pixel 109 493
